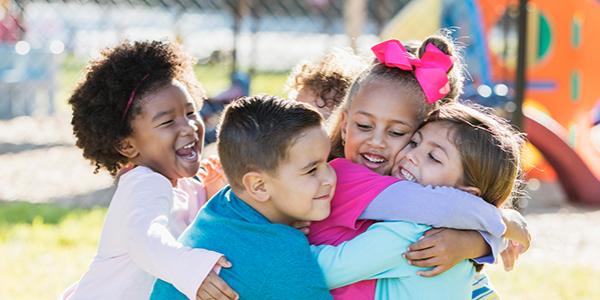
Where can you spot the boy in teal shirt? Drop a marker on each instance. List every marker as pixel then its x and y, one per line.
pixel 274 154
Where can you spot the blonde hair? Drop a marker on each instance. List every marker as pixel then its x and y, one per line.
pixel 489 147
pixel 378 71
pixel 329 77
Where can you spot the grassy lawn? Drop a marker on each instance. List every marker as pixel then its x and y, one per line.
pixel 46 247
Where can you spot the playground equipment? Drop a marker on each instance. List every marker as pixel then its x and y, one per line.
pixel 562 100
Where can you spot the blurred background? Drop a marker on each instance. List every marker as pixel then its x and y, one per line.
pixel 533 61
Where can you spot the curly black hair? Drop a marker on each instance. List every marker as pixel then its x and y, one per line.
pixel 99 101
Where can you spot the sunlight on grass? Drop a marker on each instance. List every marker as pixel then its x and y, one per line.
pixel 40 259
pixel 546 280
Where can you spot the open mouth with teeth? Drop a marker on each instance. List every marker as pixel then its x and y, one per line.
pixel 373 161
pixel 188 152
pixel 407 175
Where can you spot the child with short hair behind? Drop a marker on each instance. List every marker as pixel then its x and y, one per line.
pixel 136 110
pixel 274 154
pixel 324 83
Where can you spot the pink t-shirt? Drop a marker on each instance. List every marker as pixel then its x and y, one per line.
pixel 353 193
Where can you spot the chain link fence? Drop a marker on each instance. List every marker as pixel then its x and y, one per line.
pixel 262 35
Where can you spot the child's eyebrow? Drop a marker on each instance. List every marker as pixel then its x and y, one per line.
pixel 372 116
pixel 160 114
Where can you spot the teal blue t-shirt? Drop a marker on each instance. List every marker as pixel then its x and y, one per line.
pixel 270 261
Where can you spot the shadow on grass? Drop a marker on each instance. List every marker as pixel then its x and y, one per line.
pixel 23 212
pixel 9 148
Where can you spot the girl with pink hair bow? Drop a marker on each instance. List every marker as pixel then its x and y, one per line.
pixel 385 105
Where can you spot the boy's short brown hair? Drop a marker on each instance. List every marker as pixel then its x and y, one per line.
pixel 256 133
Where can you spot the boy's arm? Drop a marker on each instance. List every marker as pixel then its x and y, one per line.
pixel 376 253
pixel 435 206
pixel 152 246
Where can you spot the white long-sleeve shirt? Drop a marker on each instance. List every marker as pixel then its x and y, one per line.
pixel 138 242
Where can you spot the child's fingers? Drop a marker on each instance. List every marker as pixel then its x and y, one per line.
pixel 220 289
pixel 433 231
pixel 433 272
pixel 202 172
pixel 426 263
pixel 205 164
pixel 508 259
pixel 424 243
pixel 420 254
pixel 209 289
pixel 215 160
pixel 223 262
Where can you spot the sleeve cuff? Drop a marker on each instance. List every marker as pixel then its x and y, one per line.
pixel 497 244
pixel 201 264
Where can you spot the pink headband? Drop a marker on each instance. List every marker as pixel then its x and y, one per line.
pixel 132 96
pixel 430 71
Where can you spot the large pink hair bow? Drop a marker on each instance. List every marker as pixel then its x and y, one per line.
pixel 430 70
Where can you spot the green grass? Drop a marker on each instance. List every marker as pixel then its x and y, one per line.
pixel 45 248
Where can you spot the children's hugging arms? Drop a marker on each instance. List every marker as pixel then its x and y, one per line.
pixel 442 248
pixel 518 235
pixel 213 287
pixel 374 254
pixel 435 206
pixel 152 246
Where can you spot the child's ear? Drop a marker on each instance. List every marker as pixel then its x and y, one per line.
pixel 343 122
pixel 126 148
pixel 255 184
pixel 471 190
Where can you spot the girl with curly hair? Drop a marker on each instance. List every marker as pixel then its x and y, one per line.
pixel 136 109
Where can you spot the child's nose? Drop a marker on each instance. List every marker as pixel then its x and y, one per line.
pixel 376 140
pixel 330 176
pixel 411 156
pixel 189 127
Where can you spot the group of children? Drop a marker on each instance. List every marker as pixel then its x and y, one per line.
pixel 399 195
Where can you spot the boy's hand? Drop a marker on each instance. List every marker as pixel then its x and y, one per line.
pixel 213 287
pixel 442 248
pixel 303 226
pixel 212 175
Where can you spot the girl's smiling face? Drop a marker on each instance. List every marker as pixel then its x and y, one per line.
pixel 168 133
pixel 379 123
pixel 431 157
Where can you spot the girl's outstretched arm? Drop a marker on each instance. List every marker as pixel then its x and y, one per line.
pixel 435 206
